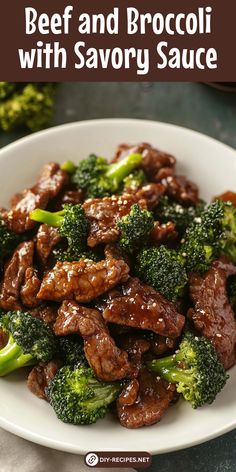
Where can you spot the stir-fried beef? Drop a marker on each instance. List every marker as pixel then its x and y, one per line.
pixel 83 280
pixel 151 193
pixel 3 338
pixel 47 313
pixel 154 160
pixel 72 196
pixel 129 393
pixel 48 186
pixel 30 288
pixel 162 233
pixel 107 360
pixel 161 344
pixel 154 397
pixel 40 376
pixel 127 323
pixel 182 190
pixel 142 307
pixel 103 214
pixel 14 276
pixel 136 345
pixel 213 315
pixel 47 238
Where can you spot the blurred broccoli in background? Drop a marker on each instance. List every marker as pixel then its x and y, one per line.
pixel 6 89
pixel 27 105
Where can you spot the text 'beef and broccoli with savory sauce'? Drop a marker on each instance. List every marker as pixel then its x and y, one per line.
pixel 118 288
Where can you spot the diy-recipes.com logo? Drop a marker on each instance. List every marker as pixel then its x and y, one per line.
pixel 141 459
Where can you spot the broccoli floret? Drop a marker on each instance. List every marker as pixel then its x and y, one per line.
pixel 29 341
pixel 211 235
pixel 195 369
pixel 31 107
pixel 134 181
pixel 163 269
pixel 6 89
pixel 89 170
pixel 66 255
pixel 181 216
pixel 71 350
pixel 78 397
pixel 72 224
pixel 134 227
pixel 100 179
pixel 8 241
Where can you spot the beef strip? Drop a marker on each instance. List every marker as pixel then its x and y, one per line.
pixel 30 288
pixel 106 359
pixel 228 196
pixel 142 307
pixel 151 193
pixel 212 314
pixel 154 160
pixel 181 189
pixel 103 214
pixel 162 233
pixel 40 377
pixel 136 345
pixel 72 196
pixel 83 280
pixel 47 313
pixel 46 240
pixel 154 397
pixel 160 344
pixel 14 276
pixel 48 186
pixel 129 392
pixel 3 338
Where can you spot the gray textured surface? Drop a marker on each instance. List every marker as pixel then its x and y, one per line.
pixel 195 106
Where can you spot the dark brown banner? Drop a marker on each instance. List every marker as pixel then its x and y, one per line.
pixel 125 40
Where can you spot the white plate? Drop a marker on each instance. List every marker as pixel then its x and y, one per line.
pixel 213 166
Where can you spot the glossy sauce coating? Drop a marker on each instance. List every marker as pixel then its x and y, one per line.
pixel 82 280
pixel 142 307
pixel 212 314
pixel 106 359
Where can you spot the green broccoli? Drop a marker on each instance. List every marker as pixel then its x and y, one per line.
pixel 72 224
pixel 31 107
pixel 8 241
pixel 71 350
pixel 209 236
pixel 163 269
pixel 134 181
pixel 98 178
pixel 6 89
pixel 30 341
pixel 195 368
pixel 134 228
pixel 181 216
pixel 78 397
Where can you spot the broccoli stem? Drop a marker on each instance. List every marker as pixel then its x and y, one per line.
pixel 118 171
pixel 69 167
pixel 167 369
pixel 42 216
pixel 103 395
pixel 12 358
